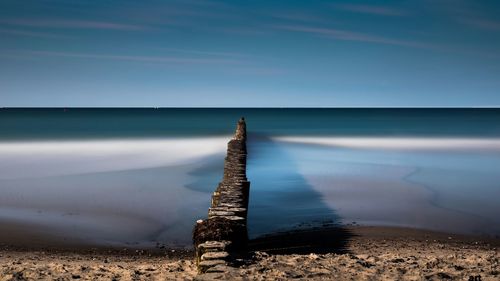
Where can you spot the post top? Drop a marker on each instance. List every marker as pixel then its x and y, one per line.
pixel 241 130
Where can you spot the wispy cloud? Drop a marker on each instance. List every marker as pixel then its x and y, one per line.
pixel 231 66
pixel 186 13
pixel 484 24
pixel 345 35
pixel 205 53
pixel 30 33
pixel 373 10
pixel 71 24
pixel 150 59
pixel 242 31
pixel 293 16
pixel 472 14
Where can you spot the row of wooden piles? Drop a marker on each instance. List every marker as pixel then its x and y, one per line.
pixel 222 238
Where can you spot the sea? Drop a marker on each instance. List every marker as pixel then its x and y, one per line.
pixel 143 176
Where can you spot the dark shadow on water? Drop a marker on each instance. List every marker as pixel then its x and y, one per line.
pixel 208 174
pixel 286 214
pixel 320 240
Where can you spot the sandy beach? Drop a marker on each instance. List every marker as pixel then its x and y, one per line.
pixel 350 253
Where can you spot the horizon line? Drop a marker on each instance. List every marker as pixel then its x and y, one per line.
pixel 250 107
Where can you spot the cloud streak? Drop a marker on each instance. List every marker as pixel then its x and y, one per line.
pixel 150 59
pixel 30 33
pixel 345 35
pixel 373 10
pixel 205 53
pixel 72 24
pixel 484 24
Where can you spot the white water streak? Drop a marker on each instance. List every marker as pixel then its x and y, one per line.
pixel 399 143
pixel 52 158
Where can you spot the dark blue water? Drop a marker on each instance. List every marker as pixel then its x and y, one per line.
pixel 82 123
pixel 141 176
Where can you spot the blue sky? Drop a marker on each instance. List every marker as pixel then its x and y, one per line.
pixel 249 53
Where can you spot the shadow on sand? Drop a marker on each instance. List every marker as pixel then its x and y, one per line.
pixel 286 215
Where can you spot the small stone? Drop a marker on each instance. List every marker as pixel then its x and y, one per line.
pixel 203 266
pixel 214 256
pixel 210 276
pixel 219 268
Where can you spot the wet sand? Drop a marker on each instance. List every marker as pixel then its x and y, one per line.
pixel 350 253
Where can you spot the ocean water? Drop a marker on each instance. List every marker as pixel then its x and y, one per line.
pixel 138 177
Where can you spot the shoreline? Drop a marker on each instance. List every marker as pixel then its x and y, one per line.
pixel 18 240
pixel 370 252
pixel 10 239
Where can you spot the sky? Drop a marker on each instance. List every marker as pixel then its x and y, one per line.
pixel 195 53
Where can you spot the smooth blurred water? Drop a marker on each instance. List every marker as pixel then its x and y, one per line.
pixel 104 123
pixel 141 176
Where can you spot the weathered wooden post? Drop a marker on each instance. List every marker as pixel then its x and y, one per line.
pixel 223 235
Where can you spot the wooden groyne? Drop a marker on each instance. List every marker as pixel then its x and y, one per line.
pixel 222 238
